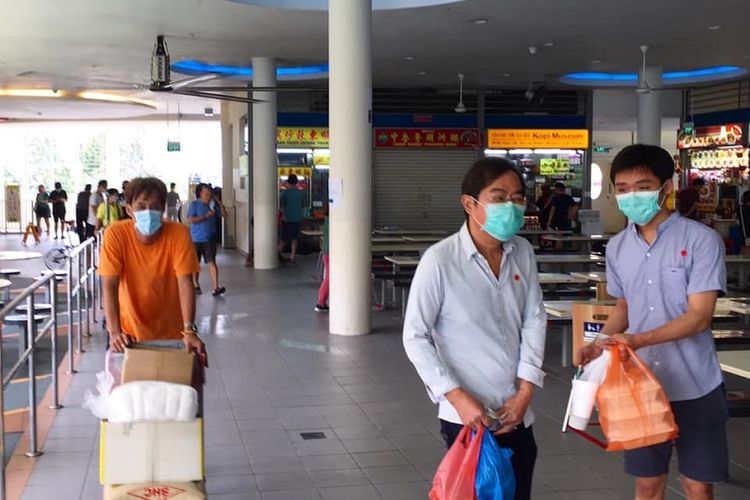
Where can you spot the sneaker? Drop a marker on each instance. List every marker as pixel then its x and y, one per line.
pixel 320 308
pixel 218 291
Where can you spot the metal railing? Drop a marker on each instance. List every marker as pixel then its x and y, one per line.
pixel 81 291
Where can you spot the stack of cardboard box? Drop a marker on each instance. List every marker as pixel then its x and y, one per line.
pixel 155 460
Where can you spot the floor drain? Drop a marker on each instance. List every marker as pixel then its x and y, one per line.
pixel 312 435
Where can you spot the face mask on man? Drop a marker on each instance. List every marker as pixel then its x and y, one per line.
pixel 640 206
pixel 147 222
pixel 504 220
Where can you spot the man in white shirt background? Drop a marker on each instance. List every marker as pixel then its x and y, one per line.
pixel 475 324
pixel 95 199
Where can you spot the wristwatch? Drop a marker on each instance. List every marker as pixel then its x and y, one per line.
pixel 189 328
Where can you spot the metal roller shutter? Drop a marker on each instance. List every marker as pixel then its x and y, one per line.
pixel 419 189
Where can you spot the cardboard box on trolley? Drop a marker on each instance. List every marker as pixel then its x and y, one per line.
pixel 148 453
pixel 156 491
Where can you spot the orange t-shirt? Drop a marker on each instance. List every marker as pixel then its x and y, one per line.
pixel 148 294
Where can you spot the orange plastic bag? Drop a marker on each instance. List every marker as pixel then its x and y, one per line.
pixel 454 478
pixel 633 409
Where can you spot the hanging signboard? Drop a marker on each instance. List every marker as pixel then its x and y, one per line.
pixel 297 137
pixel 427 138
pixel 12 203
pixel 551 166
pixel 711 137
pixel 298 171
pixel 538 138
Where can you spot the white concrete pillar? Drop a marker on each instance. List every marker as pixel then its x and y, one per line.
pixel 265 180
pixel 649 108
pixel 350 111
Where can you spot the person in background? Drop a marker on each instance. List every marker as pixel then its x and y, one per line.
pixel 58 198
pixel 666 272
pixel 173 203
pixel 219 214
pixel 96 199
pixel 743 216
pixel 322 305
pixel 687 200
pixel 82 211
pixel 291 202
pixel 202 216
pixel 475 324
pixel 110 211
pixel 543 204
pixel 561 209
pixel 147 267
pixel 41 208
pixel 122 199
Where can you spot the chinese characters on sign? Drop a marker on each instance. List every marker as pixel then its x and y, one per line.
pixel 298 171
pixel 311 137
pixel 427 138
pixel 538 138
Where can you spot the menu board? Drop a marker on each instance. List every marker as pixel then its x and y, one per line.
pixel 551 166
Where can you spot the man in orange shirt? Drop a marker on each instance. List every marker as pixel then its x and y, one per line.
pixel 147 267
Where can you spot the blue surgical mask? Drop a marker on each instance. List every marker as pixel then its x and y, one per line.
pixel 504 220
pixel 148 222
pixel 639 206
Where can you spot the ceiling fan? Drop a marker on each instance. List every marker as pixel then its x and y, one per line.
pixel 460 107
pixel 643 87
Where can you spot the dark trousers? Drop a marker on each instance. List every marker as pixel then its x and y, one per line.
pixel 81 225
pixel 521 441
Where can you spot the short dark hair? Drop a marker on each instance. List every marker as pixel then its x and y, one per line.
pixel 87 187
pixel 559 185
pixel 698 181
pixel 145 186
pixel 172 185
pixel 292 179
pixel 112 192
pixel 656 160
pixel 102 183
pixel 200 187
pixel 484 172
pixel 58 185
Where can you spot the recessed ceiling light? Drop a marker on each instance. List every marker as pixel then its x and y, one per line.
pixel 479 21
pixel 596 61
pixel 549 44
pixel 506 75
pixel 714 27
pixel 409 58
pixel 421 73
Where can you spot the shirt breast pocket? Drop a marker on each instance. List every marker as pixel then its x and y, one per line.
pixel 674 285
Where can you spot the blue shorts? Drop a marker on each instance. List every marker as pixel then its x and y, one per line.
pixel 702 452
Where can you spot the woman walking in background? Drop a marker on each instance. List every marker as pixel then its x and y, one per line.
pixel 41 208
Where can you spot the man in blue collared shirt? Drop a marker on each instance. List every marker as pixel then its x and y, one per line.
pixel 667 272
pixel 475 324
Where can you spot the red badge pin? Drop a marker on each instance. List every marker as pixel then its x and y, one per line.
pixel 517 277
pixel 683 253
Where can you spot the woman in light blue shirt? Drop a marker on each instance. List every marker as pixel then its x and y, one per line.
pixel 475 324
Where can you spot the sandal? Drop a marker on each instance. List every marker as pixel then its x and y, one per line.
pixel 218 291
pixel 198 290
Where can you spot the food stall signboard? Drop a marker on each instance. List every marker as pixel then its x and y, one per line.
pixel 551 166
pixel 296 137
pixel 711 137
pixel 427 138
pixel 538 138
pixel 298 171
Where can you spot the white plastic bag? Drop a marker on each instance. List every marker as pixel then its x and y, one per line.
pixel 98 403
pixel 596 370
pixel 152 401
pixel 583 393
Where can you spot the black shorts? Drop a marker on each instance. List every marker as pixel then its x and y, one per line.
pixel 42 211
pixel 702 452
pixel 207 250
pixel 290 231
pixel 58 213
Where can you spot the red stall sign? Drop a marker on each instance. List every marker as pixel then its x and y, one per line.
pixel 427 138
pixel 711 137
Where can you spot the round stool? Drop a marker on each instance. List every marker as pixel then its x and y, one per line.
pixel 60 276
pixel 21 321
pixel 6 274
pixel 40 309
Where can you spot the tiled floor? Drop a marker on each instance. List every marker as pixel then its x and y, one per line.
pixel 275 372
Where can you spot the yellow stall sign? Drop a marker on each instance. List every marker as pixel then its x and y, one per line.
pixel 298 171
pixel 297 137
pixel 538 138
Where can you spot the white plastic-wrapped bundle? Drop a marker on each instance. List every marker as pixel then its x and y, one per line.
pixel 151 401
